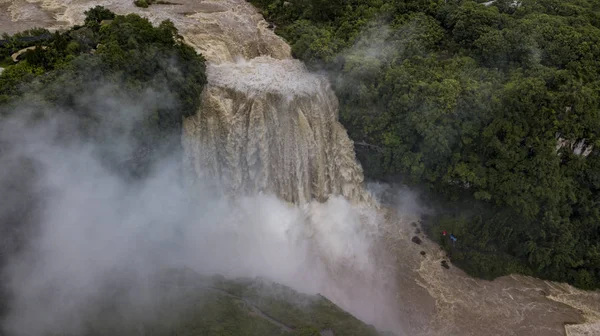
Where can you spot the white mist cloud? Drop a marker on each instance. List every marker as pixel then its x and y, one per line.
pixel 95 228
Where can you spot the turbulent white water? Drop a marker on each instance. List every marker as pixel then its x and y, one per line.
pixel 268 125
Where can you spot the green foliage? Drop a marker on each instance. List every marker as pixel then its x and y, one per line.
pixel 97 14
pixel 141 3
pixel 471 101
pixel 198 305
pixel 302 314
pixel 127 55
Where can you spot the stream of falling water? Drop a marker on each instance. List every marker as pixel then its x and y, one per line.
pixel 267 125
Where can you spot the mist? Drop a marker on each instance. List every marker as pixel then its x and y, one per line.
pixel 93 228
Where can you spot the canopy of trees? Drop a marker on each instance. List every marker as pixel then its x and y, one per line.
pixel 494 108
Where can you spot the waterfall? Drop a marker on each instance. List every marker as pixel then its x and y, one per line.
pixel 268 125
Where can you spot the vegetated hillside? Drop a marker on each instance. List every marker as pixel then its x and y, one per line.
pixel 495 107
pixel 116 82
pixel 64 74
pixel 186 303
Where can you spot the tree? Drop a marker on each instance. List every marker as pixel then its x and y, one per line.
pixel 97 14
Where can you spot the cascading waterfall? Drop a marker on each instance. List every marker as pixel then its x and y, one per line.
pixel 269 125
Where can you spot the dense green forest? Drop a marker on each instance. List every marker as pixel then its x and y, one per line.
pixel 125 56
pixel 116 82
pixel 470 102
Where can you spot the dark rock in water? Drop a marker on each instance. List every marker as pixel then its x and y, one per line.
pixel 416 240
pixel 445 264
pixel 423 253
pixel 417 231
pixel 414 224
